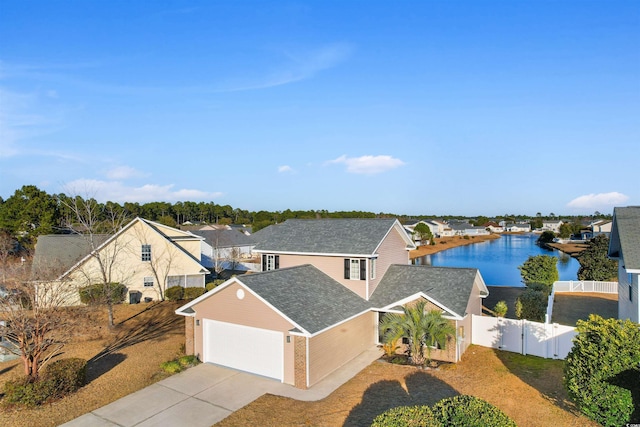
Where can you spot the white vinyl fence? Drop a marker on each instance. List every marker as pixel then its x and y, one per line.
pixel 551 341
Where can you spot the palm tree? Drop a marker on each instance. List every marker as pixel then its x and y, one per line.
pixel 421 328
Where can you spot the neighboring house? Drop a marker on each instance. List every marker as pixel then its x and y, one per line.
pixel 551 226
pixel 317 303
pixel 466 229
pixel 601 227
pixel 494 227
pixel 518 228
pixel 225 248
pixel 145 256
pixel 410 226
pixel 624 246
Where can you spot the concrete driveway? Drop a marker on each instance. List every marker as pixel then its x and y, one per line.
pixel 203 395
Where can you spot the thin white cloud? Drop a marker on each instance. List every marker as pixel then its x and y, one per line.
pixel 124 172
pixel 116 191
pixel 600 201
pixel 285 168
pixel 368 164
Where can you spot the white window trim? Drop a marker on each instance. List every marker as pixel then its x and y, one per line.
pixel 145 253
pixel 354 267
pixel 148 279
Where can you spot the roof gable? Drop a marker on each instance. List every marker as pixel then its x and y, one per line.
pixel 303 294
pixel 625 236
pixel 446 287
pixel 328 236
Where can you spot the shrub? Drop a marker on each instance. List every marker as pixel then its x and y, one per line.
pixel 540 269
pixel 190 293
pixel 59 379
pixel 174 293
pixel 500 308
pixel 67 375
pixel 171 367
pixel 96 294
pixel 405 416
pixel 27 393
pixel 213 284
pixel 601 371
pixel 188 361
pixel 469 411
pixel 531 305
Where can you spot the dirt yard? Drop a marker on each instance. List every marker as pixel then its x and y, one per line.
pixel 121 361
pixel 527 388
pixel 444 243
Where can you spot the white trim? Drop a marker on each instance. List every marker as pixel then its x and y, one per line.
pixel 453 314
pixel 410 244
pixel 307 367
pixel 339 255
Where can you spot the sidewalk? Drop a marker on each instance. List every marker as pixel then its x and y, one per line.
pixel 203 395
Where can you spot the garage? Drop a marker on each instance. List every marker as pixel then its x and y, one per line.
pixel 254 350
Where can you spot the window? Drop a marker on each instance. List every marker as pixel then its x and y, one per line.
pixel 270 262
pixel 148 282
pixel 355 269
pixel 372 266
pixel 146 253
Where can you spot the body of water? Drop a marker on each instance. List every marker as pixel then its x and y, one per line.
pixel 498 260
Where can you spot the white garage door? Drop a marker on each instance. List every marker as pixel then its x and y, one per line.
pixel 254 350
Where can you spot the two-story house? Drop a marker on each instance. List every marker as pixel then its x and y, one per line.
pixel 318 301
pixel 145 256
pixel 624 246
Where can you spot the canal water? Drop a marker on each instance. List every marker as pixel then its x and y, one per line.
pixel 498 259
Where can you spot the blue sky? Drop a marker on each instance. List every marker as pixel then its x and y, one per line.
pixel 410 107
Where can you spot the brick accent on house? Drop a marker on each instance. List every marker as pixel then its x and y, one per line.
pixel 189 344
pixel 300 362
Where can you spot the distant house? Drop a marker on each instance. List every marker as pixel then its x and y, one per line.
pixel 319 298
pixel 227 248
pixel 624 246
pixel 466 229
pixel 139 256
pixel 551 226
pixel 494 227
pixel 518 228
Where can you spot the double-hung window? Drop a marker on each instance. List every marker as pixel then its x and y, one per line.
pixel 355 269
pixel 146 253
pixel 148 282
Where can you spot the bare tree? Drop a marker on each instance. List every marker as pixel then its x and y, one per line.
pixel 92 221
pixel 7 244
pixel 33 318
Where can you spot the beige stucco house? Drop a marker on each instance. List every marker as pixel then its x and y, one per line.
pixel 145 256
pixel 318 301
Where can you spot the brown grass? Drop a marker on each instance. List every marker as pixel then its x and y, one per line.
pixel 444 243
pixel 121 360
pixel 527 388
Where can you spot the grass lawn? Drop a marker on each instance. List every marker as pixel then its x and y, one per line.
pixel 121 361
pixel 527 388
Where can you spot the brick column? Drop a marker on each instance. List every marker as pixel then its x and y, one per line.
pixel 189 344
pixel 300 362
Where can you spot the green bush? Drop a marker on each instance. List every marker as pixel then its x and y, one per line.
pixel 171 367
pixel 59 379
pixel 406 416
pixel 67 375
pixel 532 305
pixel 601 372
pixel 540 269
pixel 27 393
pixel 500 308
pixel 174 293
pixel 188 361
pixel 469 411
pixel 190 293
pixel 213 284
pixel 97 294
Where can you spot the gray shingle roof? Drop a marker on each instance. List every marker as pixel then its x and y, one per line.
pixel 625 236
pixel 225 238
pixel 306 295
pixel 449 286
pixel 325 236
pixel 59 252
